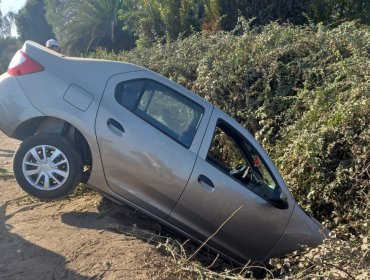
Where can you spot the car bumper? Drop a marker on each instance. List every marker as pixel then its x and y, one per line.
pixel 15 107
pixel 302 230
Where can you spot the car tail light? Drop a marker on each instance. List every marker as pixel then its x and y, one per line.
pixel 22 64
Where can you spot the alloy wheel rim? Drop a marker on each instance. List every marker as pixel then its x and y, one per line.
pixel 45 167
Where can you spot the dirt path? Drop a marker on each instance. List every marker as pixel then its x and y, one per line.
pixel 71 238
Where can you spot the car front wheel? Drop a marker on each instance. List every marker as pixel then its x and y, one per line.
pixel 47 166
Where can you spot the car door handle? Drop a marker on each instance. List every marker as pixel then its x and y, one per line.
pixel 206 183
pixel 115 125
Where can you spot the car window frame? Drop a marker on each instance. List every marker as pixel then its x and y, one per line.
pixel 176 93
pixel 241 150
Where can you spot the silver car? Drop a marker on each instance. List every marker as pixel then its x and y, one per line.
pixel 141 139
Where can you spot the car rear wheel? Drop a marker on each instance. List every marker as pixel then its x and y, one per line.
pixel 47 166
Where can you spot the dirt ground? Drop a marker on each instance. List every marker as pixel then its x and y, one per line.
pixel 74 238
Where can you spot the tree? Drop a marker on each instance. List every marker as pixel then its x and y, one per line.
pixel 264 11
pixel 83 26
pixel 5 25
pixel 336 11
pixel 31 22
pixel 8 47
pixel 1 21
pixel 179 17
pixel 143 18
pixel 152 19
pixel 212 17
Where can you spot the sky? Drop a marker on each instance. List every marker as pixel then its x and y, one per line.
pixel 11 5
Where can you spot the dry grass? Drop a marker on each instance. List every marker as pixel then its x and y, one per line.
pixel 334 259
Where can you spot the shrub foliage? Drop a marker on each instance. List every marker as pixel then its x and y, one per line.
pixel 305 94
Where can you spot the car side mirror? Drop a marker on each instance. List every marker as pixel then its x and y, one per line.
pixel 279 199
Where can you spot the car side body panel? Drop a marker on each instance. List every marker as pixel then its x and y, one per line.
pixel 15 107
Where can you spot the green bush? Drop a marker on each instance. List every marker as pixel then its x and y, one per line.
pixel 304 92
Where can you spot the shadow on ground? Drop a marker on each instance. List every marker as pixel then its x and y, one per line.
pixel 21 259
pixel 128 221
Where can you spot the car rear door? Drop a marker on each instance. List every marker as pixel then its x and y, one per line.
pixel 149 131
pixel 236 214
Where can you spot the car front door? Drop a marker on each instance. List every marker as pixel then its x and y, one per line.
pixel 149 131
pixel 227 197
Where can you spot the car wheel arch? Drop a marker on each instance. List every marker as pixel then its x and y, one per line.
pixel 54 125
pixel 47 166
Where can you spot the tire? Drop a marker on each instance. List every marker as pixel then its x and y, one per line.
pixel 47 166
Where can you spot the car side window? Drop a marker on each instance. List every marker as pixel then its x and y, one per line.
pixel 173 114
pixel 231 153
pixel 224 152
pixel 128 93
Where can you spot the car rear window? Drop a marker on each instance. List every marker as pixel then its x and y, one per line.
pixel 167 110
